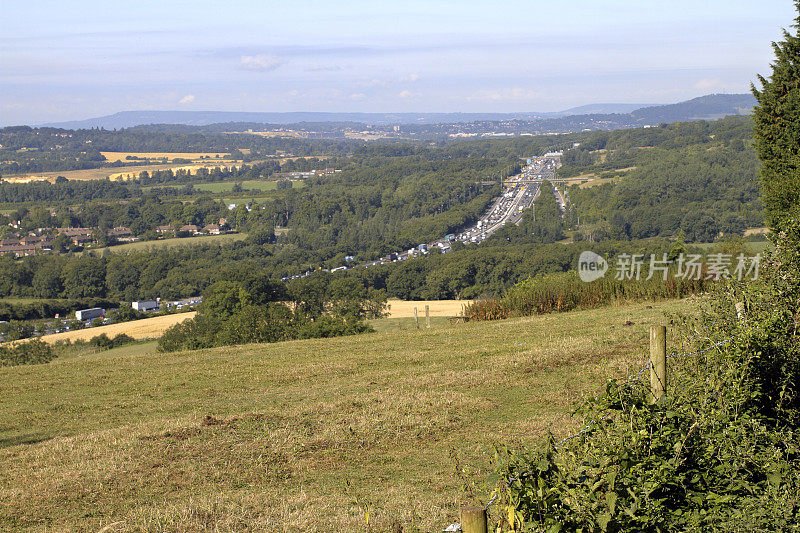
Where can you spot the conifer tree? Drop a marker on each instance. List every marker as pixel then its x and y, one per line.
pixel 777 131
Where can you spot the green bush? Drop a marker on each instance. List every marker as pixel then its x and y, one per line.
pixel 103 342
pixel 30 352
pixel 317 307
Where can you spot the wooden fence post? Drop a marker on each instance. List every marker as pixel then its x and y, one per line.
pixel 658 361
pixel 427 316
pixel 416 318
pixel 473 520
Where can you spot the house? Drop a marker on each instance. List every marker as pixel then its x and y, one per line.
pixel 72 232
pixel 78 236
pixel 190 228
pixel 122 234
pixel 80 240
pixel 325 172
pixel 18 250
pixel 35 240
pixel 212 229
pixel 169 228
pixel 145 306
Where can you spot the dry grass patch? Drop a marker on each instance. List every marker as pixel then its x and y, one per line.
pixel 297 436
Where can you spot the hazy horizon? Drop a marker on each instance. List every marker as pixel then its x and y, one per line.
pixel 60 62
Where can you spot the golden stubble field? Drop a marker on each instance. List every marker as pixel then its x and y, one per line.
pixel 124 173
pixel 192 156
pixel 309 435
pixel 438 308
pixel 113 173
pixel 146 328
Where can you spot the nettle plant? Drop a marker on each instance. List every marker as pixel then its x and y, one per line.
pixel 718 452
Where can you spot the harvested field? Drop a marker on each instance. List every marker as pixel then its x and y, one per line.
pixel 203 156
pixel 147 328
pixel 405 309
pixel 112 173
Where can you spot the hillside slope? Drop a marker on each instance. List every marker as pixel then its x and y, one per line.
pixel 297 436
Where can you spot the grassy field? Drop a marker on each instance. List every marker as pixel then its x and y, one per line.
pixel 146 328
pixel 750 247
pixel 22 301
pixel 253 185
pixel 395 324
pixel 298 436
pixel 199 240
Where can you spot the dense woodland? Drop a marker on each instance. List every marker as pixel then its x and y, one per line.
pixel 699 178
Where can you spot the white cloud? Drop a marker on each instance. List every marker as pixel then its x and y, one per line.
pixel 405 94
pixel 374 82
pixel 262 62
pixel 324 68
pixel 708 83
pixel 357 96
pixel 512 94
pixel 410 78
pixel 188 99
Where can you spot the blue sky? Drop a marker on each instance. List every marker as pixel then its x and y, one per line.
pixel 79 59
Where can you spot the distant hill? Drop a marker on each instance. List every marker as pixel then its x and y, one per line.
pixel 710 107
pixel 604 116
pixel 602 109
pixel 128 119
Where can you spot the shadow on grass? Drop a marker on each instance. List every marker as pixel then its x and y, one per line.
pixel 33 438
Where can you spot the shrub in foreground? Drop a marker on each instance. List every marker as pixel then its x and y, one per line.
pixel 720 452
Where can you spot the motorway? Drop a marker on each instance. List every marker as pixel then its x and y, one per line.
pixel 519 194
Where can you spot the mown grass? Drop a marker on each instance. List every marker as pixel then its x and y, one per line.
pixel 250 185
pixel 298 436
pixel 750 247
pixel 395 324
pixel 227 186
pixel 21 301
pixel 161 244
